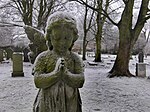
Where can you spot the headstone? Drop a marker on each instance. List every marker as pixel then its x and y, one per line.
pixel 141 69
pixel 17 65
pixel 9 53
pixel 141 57
pixel 26 51
pixel 1 55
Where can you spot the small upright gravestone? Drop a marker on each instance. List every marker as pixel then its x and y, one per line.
pixel 141 57
pixel 17 65
pixel 1 55
pixel 141 66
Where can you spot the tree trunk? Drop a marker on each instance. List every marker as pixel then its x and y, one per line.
pixel 128 36
pixel 85 33
pixel 98 39
pixel 84 47
pixel 98 48
pixel 121 65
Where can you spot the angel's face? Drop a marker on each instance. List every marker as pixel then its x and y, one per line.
pixel 62 37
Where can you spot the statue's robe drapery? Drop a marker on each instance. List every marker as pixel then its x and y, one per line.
pixel 62 96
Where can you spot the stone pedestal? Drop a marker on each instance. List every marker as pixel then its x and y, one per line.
pixel 17 65
pixel 141 69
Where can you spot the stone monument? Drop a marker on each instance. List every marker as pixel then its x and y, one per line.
pixel 1 55
pixel 141 57
pixel 37 42
pixel 59 72
pixel 17 64
pixel 9 53
pixel 141 66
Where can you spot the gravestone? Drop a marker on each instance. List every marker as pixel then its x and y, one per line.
pixel 17 64
pixel 141 66
pixel 9 52
pixel 141 69
pixel 1 55
pixel 26 51
pixel 141 57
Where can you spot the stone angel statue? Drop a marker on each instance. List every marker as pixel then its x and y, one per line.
pixel 59 72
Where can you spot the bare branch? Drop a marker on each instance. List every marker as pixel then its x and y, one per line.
pixel 142 16
pixel 84 3
pixel 97 10
pixel 3 24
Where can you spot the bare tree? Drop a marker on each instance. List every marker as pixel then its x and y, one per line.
pixel 100 22
pixel 146 33
pixel 34 15
pixel 128 35
pixel 86 27
pixel 101 7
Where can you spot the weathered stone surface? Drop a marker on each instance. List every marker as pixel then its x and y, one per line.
pixel 25 55
pixel 9 53
pixel 37 42
pixel 17 64
pixel 141 57
pixel 141 69
pixel 1 55
pixel 58 72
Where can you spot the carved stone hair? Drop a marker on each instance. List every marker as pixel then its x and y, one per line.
pixel 57 19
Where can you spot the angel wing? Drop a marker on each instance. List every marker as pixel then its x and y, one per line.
pixel 37 42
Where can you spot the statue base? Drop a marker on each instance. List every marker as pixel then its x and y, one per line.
pixel 141 70
pixel 17 74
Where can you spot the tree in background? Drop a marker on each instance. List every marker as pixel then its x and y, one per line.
pixel 100 23
pixel 146 32
pixel 33 14
pixel 87 25
pixel 100 7
pixel 110 39
pixel 128 35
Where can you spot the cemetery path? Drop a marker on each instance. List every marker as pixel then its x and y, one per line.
pixel 99 93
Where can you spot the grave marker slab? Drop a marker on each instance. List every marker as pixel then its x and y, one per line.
pixel 17 65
